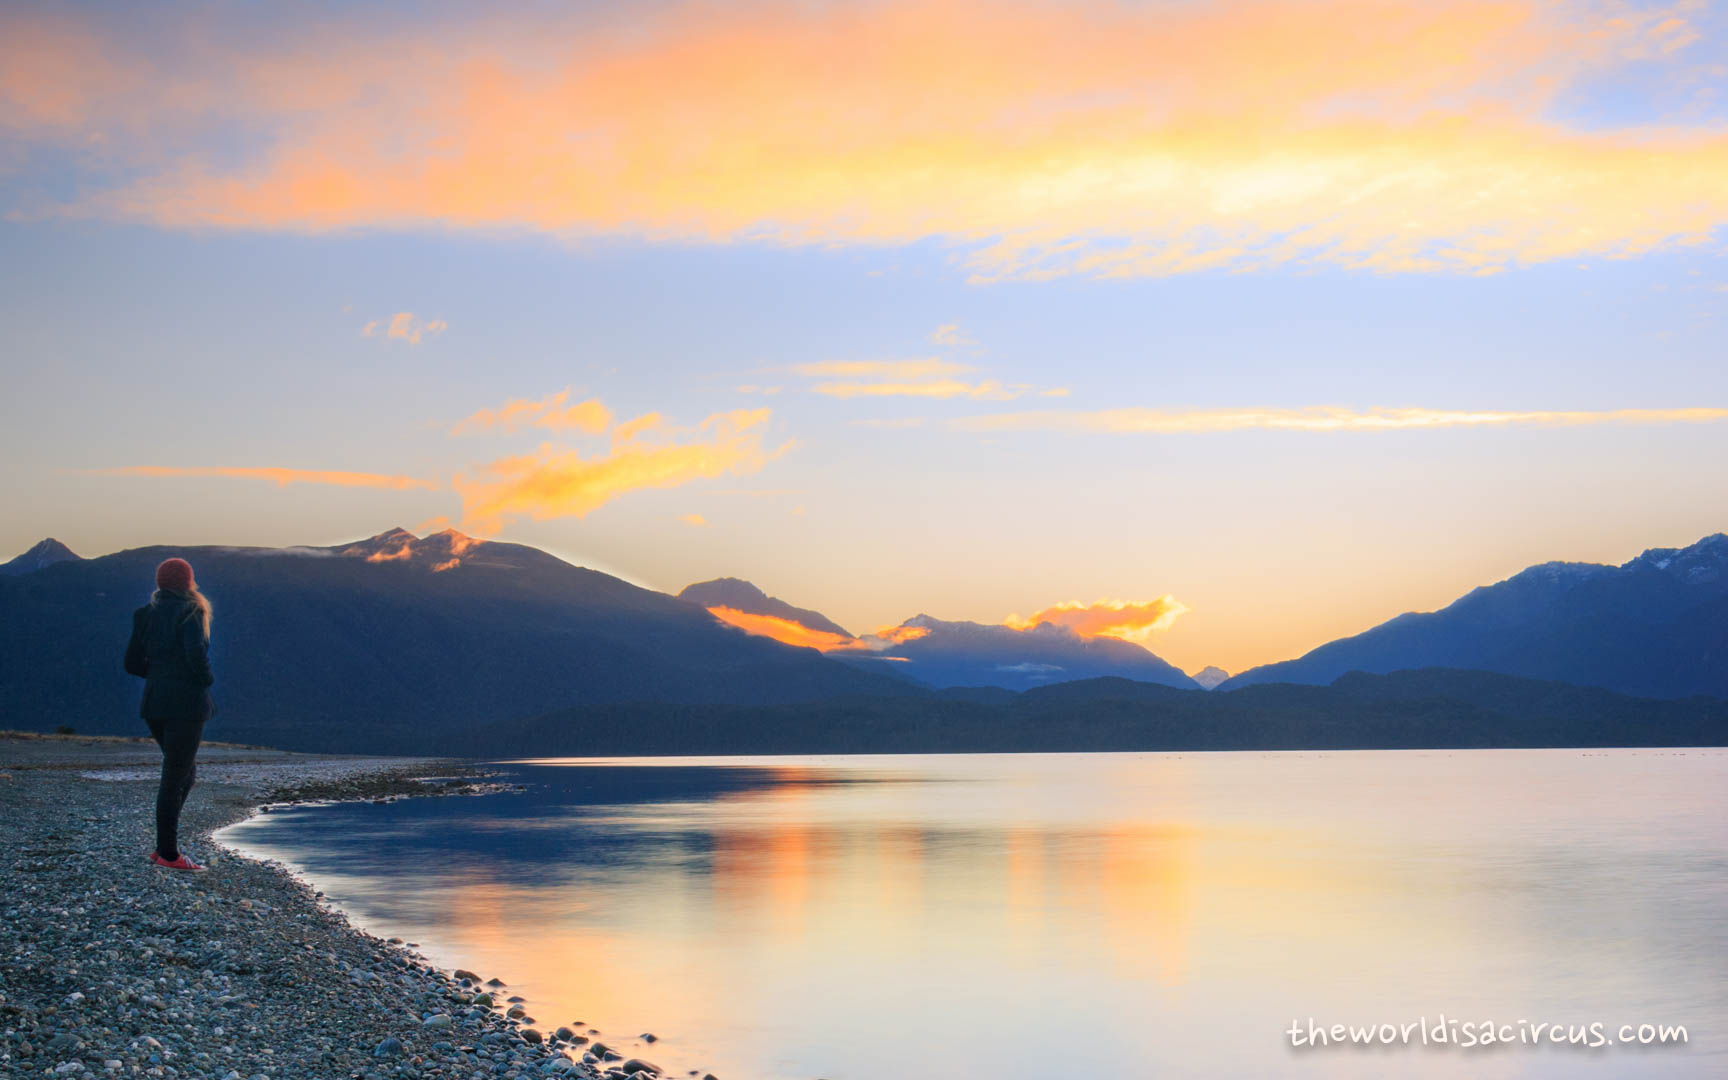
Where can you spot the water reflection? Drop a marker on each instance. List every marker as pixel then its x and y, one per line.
pixel 1132 914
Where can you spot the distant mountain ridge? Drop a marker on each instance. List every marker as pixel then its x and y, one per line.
pixel 42 555
pixel 942 653
pixel 389 640
pixel 1655 626
pixel 741 595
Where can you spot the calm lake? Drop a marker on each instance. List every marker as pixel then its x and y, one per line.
pixel 1080 915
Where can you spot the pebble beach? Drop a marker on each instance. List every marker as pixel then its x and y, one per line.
pixel 110 966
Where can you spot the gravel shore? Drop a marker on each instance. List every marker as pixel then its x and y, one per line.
pixel 113 967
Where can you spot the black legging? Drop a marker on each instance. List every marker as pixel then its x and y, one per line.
pixel 179 742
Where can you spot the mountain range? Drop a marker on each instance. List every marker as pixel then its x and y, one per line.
pixel 401 641
pixel 1655 626
pixel 396 634
pixel 940 653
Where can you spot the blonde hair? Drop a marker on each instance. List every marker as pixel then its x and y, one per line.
pixel 200 604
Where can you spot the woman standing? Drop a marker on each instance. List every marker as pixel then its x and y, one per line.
pixel 169 650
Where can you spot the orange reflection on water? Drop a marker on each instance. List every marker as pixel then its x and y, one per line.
pixel 1145 889
pixel 570 970
pixel 762 873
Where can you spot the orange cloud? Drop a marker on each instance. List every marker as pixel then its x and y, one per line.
pixel 563 483
pixel 929 367
pixel 904 378
pixel 989 389
pixel 282 477
pixel 1320 418
pixel 588 416
pixel 404 326
pixel 796 633
pixel 783 630
pixel 899 635
pixel 693 519
pixel 1045 138
pixel 404 550
pixel 1130 620
pixel 630 430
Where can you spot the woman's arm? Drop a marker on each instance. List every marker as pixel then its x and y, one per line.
pixel 136 662
pixel 197 649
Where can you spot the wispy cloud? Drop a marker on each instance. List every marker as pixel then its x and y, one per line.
pixel 556 481
pixel 927 377
pixel 551 413
pixel 404 326
pixel 922 368
pixel 1043 138
pixel 890 422
pixel 985 390
pixel 1130 620
pixel 645 453
pixel 949 334
pixel 282 477
pixel 1159 421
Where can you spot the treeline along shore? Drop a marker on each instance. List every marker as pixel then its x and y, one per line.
pixel 112 967
pixel 1431 709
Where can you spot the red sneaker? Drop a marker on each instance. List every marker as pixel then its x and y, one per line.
pixel 181 863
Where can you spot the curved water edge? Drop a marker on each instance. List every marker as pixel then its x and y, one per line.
pixel 115 966
pixel 851 917
pixel 574 1036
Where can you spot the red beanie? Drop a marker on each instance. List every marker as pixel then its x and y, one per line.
pixel 174 574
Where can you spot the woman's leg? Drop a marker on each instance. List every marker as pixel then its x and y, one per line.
pixel 179 740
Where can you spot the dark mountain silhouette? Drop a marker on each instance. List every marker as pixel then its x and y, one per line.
pixel 1656 626
pixel 444 643
pixel 941 653
pixel 741 595
pixel 44 554
pixel 1426 709
pixel 386 641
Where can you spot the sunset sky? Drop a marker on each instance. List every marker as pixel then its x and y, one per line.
pixel 1290 315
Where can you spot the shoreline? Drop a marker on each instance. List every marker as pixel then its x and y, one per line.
pixel 112 967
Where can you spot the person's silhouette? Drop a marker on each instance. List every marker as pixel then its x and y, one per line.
pixel 169 650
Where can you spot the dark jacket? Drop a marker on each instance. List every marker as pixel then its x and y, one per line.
pixel 171 653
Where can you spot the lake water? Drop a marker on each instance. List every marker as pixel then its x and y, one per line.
pixel 1075 915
